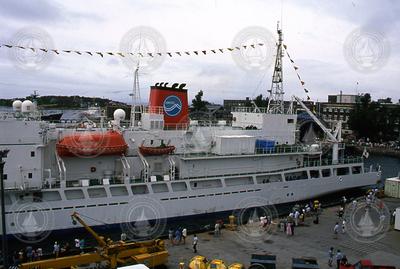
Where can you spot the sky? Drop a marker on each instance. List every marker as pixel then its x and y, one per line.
pixel 348 46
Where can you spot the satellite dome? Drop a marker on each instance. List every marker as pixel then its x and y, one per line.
pixel 17 104
pixel 119 114
pixel 27 106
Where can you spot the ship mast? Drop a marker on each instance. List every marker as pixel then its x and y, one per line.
pixel 136 107
pixel 275 102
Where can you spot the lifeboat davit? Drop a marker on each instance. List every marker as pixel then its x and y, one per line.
pixel 160 150
pixel 92 143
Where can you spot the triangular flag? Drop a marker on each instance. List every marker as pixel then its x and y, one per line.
pixel 284 46
pixel 238 48
pixel 140 54
pixel 196 52
pixel 45 50
pixel 260 44
pixel 305 90
pixel 170 54
pixel 188 53
pixel 33 49
pixel 90 53
pixel 308 98
pixel 252 45
pixel 298 76
pixel 178 53
pixel 213 51
pixel 291 60
pixel 150 54
pixel 8 46
pixel 101 54
pixel 204 52
pixel 302 82
pixel 221 50
pixel 67 51
pixel 78 52
pixel 244 46
pixel 159 53
pixel 295 67
pixel 120 54
pixel 56 52
pixel 230 49
pixel 20 47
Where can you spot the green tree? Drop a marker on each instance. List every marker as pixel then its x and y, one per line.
pixel 198 103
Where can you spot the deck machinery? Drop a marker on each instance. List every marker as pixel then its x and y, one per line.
pixel 108 253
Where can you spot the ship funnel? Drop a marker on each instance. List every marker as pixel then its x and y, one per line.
pixel 174 103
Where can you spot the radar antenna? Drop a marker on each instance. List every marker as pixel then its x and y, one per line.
pixel 275 102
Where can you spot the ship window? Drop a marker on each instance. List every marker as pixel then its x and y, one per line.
pixel 97 192
pixel 30 175
pixel 326 172
pixel 157 188
pixel 342 171
pixel 179 186
pixel 51 196
pixel 5 176
pixel 356 170
pixel 314 173
pixel 32 154
pixel 74 194
pixel 118 191
pixel 141 189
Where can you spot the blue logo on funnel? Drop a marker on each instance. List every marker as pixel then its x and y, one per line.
pixel 172 105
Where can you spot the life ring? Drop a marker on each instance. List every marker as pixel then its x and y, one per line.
pixel 92 169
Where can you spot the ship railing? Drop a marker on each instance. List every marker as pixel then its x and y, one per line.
pixel 153 110
pixel 249 109
pixel 325 162
pixel 281 149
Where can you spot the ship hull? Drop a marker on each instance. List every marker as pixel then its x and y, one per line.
pixel 194 212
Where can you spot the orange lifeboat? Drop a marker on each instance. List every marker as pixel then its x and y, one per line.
pixel 160 150
pixel 91 144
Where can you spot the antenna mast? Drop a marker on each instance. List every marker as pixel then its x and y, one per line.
pixel 275 102
pixel 136 106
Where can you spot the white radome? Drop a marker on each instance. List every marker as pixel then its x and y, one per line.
pixel 17 105
pixel 119 114
pixel 27 106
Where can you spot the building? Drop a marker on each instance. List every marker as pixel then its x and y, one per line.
pixel 229 104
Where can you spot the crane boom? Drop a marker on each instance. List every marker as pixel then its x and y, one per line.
pixel 100 239
pixel 317 121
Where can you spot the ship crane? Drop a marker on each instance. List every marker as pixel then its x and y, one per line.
pixel 108 253
pixel 334 138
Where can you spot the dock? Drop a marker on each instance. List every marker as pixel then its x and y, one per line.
pixel 311 240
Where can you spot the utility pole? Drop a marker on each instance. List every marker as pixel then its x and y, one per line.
pixel 3 154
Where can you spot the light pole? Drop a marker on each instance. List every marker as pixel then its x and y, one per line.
pixel 3 154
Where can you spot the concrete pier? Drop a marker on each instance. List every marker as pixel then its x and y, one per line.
pixel 311 240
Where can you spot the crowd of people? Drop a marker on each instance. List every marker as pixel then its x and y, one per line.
pixel 30 254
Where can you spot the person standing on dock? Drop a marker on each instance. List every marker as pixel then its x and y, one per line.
pixel 184 234
pixel 171 236
pixel 331 253
pixel 195 241
pixel 56 249
pixel 343 226
pixel 339 257
pixel 336 231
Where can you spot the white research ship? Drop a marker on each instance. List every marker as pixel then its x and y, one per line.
pixel 163 166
